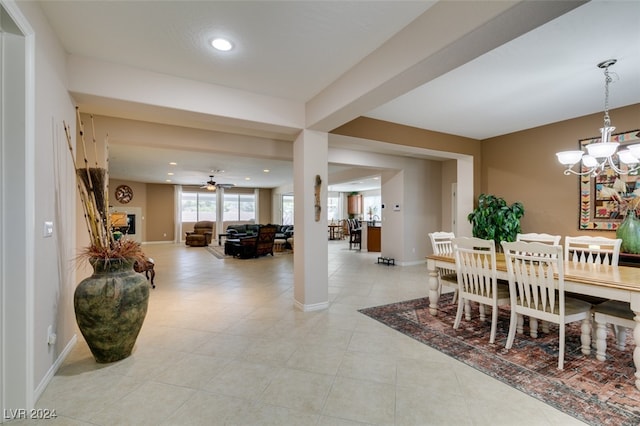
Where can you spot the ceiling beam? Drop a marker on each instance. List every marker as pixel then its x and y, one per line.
pixel 426 49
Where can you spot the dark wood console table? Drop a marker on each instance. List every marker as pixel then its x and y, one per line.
pixel 628 259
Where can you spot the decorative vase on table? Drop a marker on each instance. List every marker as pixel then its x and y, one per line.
pixel 629 232
pixel 110 308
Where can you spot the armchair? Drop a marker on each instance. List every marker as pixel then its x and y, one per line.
pixel 201 235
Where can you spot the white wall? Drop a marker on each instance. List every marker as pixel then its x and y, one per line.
pixel 16 247
pixel 392 233
pixel 276 202
pixel 421 209
pixel 415 185
pixel 127 84
pixel 53 192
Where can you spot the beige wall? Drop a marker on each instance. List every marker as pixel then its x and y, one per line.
pixel 449 177
pixel 264 207
pixel 368 128
pixel 519 167
pixel 160 223
pixel 522 167
pixel 139 200
pixel 157 204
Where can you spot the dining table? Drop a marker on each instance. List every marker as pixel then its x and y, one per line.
pixel 605 281
pixel 335 232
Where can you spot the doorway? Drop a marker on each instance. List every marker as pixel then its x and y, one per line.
pixel 16 283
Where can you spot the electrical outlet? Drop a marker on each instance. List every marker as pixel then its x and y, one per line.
pixel 51 336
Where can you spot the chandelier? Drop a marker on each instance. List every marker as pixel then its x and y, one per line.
pixel 601 154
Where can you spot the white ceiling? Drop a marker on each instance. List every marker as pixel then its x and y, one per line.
pixel 293 50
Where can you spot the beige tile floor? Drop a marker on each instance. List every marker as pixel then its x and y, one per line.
pixel 223 345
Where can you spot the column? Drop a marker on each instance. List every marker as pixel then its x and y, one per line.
pixel 311 260
pixel 219 213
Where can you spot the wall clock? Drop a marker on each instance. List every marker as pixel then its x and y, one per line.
pixel 124 194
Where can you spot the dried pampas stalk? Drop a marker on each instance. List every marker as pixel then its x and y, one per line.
pixel 96 177
pixel 93 189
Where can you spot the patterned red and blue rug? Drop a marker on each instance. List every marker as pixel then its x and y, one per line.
pixel 597 393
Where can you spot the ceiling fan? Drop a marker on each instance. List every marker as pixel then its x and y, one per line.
pixel 211 185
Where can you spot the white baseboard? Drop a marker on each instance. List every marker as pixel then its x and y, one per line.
pixel 54 368
pixel 412 263
pixel 313 307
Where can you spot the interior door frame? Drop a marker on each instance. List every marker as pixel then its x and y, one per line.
pixel 17 208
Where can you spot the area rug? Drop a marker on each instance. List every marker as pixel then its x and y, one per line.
pixel 216 251
pixel 597 393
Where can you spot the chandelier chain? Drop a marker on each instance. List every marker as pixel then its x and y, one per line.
pixel 607 80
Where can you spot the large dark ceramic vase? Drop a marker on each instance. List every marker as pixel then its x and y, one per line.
pixel 629 232
pixel 110 308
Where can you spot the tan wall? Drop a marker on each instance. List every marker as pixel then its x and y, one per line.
pixel 384 131
pixel 522 167
pixel 139 200
pixel 449 177
pixel 264 208
pixel 160 222
pixel 157 204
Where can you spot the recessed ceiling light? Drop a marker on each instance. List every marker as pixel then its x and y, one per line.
pixel 266 170
pixel 173 163
pixel 170 173
pixel 247 178
pixel 221 44
pixel 168 180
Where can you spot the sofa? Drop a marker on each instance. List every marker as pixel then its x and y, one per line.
pixel 239 231
pixel 201 234
pixel 257 245
pixel 284 231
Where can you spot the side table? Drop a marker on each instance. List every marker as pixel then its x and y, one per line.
pixel 278 244
pixel 232 247
pixel 220 238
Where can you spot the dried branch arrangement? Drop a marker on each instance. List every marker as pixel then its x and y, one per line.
pixel 93 187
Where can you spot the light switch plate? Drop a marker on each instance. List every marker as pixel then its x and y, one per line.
pixel 48 229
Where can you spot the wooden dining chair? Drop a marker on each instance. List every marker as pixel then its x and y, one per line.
pixel 617 314
pixel 477 280
pixel 355 233
pixel 441 244
pixel 537 293
pixel 592 250
pixel 596 250
pixel 540 238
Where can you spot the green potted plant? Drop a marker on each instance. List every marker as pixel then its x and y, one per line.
pixel 494 220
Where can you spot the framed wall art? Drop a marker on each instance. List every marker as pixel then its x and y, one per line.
pixel 597 210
